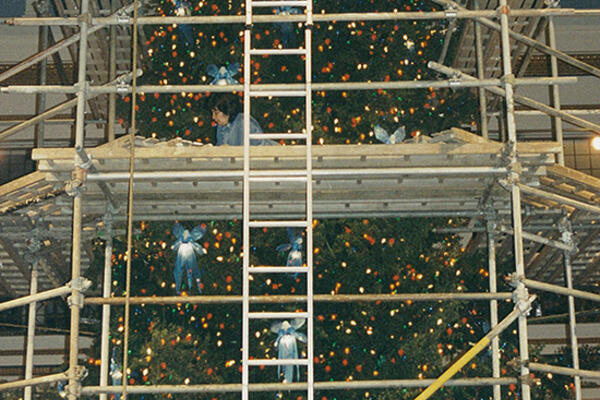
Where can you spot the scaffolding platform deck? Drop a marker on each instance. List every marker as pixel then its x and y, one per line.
pixel 452 174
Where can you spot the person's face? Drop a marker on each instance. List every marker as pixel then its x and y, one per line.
pixel 219 117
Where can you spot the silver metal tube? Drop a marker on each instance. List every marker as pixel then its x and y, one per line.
pixel 267 387
pixel 33 381
pixel 106 290
pixel 325 298
pixel 561 199
pixel 493 305
pixel 572 323
pixel 515 193
pixel 269 88
pixel 31 330
pixel 461 13
pixel 564 370
pixel 190 175
pixel 483 117
pixel 77 207
pixel 40 103
pixel 48 294
pixel 539 239
pixel 112 74
pixel 555 93
pixel 548 287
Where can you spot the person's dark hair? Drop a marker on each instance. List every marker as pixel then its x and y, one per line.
pixel 227 103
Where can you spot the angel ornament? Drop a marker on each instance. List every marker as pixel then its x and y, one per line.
pixel 223 75
pixel 187 248
pixel 287 346
pixel 397 137
pixel 116 371
pixel 294 258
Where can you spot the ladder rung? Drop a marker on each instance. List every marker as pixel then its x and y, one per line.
pixel 281 3
pixel 275 269
pixel 275 361
pixel 277 315
pixel 279 178
pixel 278 224
pixel 277 52
pixel 277 136
pixel 278 93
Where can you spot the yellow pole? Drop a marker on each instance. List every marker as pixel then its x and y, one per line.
pixel 461 362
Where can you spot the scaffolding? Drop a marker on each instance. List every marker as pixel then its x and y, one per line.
pixel 507 188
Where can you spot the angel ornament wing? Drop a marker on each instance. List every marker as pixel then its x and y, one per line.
pixel 287 346
pixel 187 248
pixel 223 75
pixel 116 371
pixel 397 137
pixel 294 246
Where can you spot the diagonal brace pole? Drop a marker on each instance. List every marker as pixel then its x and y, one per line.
pixel 520 309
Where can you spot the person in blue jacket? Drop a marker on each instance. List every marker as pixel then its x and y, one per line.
pixel 225 109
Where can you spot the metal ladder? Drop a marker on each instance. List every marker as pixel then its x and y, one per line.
pixel 255 176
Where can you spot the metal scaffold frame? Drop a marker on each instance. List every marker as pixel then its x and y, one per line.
pixel 510 176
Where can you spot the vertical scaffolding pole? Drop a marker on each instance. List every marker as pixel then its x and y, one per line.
pixel 106 289
pixel 567 237
pixel 520 291
pixel 40 98
pixel 555 93
pixel 75 299
pixel 112 74
pixel 31 329
pixel 481 75
pixel 491 226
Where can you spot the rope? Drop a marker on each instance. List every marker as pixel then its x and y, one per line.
pixel 130 197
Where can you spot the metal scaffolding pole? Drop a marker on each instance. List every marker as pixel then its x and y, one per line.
pixel 31 329
pixel 461 13
pixel 514 176
pixel 491 226
pixel 562 200
pixel 324 298
pixel 270 87
pixel 483 117
pixel 33 381
pixel 564 370
pixel 112 74
pixel 48 294
pixel 555 93
pixel 40 103
pixel 548 287
pixel 76 298
pixel 106 289
pixel 567 238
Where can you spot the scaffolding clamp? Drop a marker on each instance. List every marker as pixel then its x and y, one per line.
pixel 75 300
pixel 564 226
pixel 451 10
pixel 508 79
pixel 80 373
pixel 80 283
pixel 123 18
pixel 527 379
pixel 505 9
pixel 78 177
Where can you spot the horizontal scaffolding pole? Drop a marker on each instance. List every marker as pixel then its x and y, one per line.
pixel 438 84
pixel 539 239
pixel 526 101
pixel 57 46
pixel 279 18
pixel 322 298
pixel 270 387
pixel 318 173
pixel 33 382
pixel 563 370
pixel 560 199
pixel 548 287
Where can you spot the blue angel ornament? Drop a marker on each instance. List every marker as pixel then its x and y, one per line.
pixel 223 75
pixel 115 371
pixel 187 248
pixel 183 9
pixel 287 28
pixel 397 137
pixel 61 388
pixel 287 346
pixel 294 246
